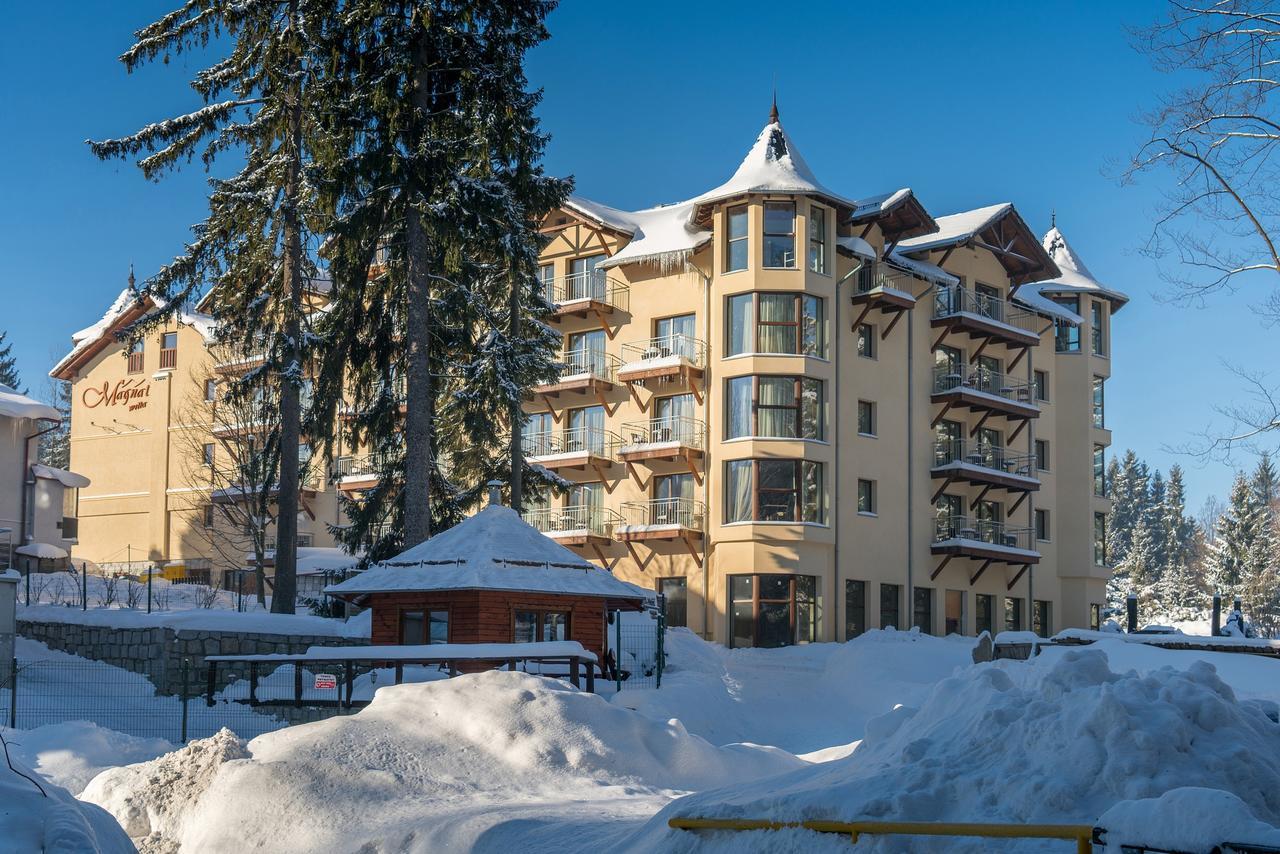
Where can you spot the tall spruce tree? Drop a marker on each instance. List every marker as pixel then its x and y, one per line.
pixel 8 365
pixel 1182 590
pixel 258 101
pixel 55 446
pixel 1230 561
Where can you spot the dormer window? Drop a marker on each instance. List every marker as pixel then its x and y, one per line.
pixel 736 250
pixel 780 235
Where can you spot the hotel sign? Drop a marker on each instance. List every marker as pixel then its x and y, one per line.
pixel 131 394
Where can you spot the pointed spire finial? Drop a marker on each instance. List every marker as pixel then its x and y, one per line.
pixel 131 279
pixel 1053 218
pixel 773 111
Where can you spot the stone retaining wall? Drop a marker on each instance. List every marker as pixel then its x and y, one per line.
pixel 159 652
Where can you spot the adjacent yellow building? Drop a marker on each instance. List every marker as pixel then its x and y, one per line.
pixel 797 414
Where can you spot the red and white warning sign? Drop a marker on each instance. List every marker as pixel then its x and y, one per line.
pixel 326 681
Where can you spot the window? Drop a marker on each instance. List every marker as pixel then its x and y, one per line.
pixel 1100 539
pixel 1095 617
pixel 675 593
pixel 780 235
pixel 818 239
pixel 672 494
pixel 169 341
pixel 208 515
pixel 890 596
pixel 954 615
pixel 1042 525
pixel 1042 454
pixel 585 432
pixel 772 610
pixel 866 341
pixel 168 350
pixel 949 512
pixel 1096 328
pixel 1042 618
pixel 736 248
pixel 210 390
pixel 788 324
pixel 1012 615
pixel 1099 413
pixel 922 609
pixel 422 627
pixel 207 453
pixel 1042 385
pixel 546 278
pixel 867 497
pixel 948 361
pixel 538 436
pixel 774 491
pixel 136 355
pixel 990 513
pixel 584 353
pixel 1099 470
pixel 534 626
pixel 775 408
pixel 676 336
pixel 866 418
pixel 855 608
pixel 586 280
pixel 984 613
pixel 948 440
pixel 1066 336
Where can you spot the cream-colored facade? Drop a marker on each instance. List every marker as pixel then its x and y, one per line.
pixel 944 475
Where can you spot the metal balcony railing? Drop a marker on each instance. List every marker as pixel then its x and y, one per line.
pixel 686 431
pixel 595 286
pixel 946 378
pixel 680 512
pixel 574 440
pixel 953 299
pixel 984 454
pixel 665 346
pixel 358 465
pixel 875 276
pixel 587 362
pixel 983 531
pixel 580 519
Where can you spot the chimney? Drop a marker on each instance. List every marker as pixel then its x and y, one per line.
pixel 495 493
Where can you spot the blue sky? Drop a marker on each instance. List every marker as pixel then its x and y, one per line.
pixel 646 103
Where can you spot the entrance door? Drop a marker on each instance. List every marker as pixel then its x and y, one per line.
pixel 955 613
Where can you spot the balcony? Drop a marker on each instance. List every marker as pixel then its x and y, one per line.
pixel 987 318
pixel 662 519
pixel 581 525
pixel 982 539
pixel 985 391
pixel 238 359
pixel 667 439
pixel 879 286
pixel 573 448
pixel 665 359
pixel 357 473
pixel 591 294
pixel 985 465
pixel 590 372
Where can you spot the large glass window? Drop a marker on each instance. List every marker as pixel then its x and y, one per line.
pixel 585 432
pixel 1096 331
pixel 922 609
pixel 586 280
pixel 775 407
pixel 1100 539
pixel 855 608
pixel 534 626
pixel 538 436
pixel 675 592
pixel 736 247
pixel 772 610
pixel 1099 470
pixel 1012 614
pixel 984 613
pixel 421 627
pixel 788 324
pixel 1067 336
pixel 676 336
pixel 1042 618
pixel 780 234
pixel 949 361
pixel 890 605
pixel 817 239
pixel 774 491
pixel 1099 403
pixel 585 353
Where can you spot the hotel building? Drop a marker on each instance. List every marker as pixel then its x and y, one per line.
pixel 798 414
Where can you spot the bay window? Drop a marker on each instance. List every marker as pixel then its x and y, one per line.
pixel 1066 336
pixel 1100 539
pixel 1099 470
pixel 780 235
pixel 773 407
pixel 773 490
pixel 772 610
pixel 787 324
pixel 736 248
pixel 1099 413
pixel 818 239
pixel 1096 330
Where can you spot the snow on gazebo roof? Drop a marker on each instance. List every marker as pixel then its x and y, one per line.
pixel 41 551
pixel 493 550
pixel 15 404
pixel 1075 277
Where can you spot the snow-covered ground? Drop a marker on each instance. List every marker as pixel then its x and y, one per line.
pixel 892 725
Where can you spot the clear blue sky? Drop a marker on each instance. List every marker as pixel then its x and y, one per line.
pixel 968 104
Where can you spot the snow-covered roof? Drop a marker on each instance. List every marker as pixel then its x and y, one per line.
pixel 956 228
pixel 1032 296
pixel 1075 277
pixel 931 272
pixel 42 551
pixel 773 165
pixel 856 245
pixel 15 404
pixel 603 214
pixel 873 205
pixel 64 477
pixel 493 550
pixel 664 235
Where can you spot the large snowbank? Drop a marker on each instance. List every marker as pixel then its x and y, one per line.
pixel 480 762
pixel 71 754
pixel 1062 739
pixel 36 815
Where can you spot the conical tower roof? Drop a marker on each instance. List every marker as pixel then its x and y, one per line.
pixel 1075 277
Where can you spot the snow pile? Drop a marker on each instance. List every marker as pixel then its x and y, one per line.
pixel 800 698
pixel 154 801
pixel 36 815
pixel 73 753
pixel 200 619
pixel 1065 741
pixel 1192 819
pixel 480 761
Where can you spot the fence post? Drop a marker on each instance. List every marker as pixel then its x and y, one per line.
pixel 617 648
pixel 13 693
pixel 151 573
pixel 84 587
pixel 28 577
pixel 662 636
pixel 212 682
pixel 182 694
pixel 573 672
pixel 349 676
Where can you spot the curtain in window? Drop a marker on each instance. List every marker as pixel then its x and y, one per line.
pixel 738 408
pixel 676 335
pixel 777 308
pixel 674 418
pixel 775 392
pixel 585 280
pixel 737 491
pixel 586 352
pixel 741 325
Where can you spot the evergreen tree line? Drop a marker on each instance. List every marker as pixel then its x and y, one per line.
pixel 1174 562
pixel 387 163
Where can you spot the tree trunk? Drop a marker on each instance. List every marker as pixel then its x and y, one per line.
pixel 419 408
pixel 516 415
pixel 286 587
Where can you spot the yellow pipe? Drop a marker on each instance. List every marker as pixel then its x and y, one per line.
pixel 1080 833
